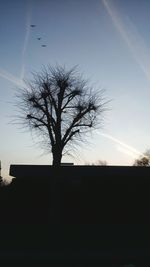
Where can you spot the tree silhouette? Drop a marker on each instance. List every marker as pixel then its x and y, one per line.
pixel 60 106
pixel 1 181
pixel 98 163
pixel 143 160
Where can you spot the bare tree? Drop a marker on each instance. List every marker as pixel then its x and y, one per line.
pixel 60 106
pixel 143 160
pixel 98 163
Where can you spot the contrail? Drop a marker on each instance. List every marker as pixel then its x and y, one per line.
pixel 9 77
pixel 123 145
pixel 26 41
pixel 132 38
pixel 127 151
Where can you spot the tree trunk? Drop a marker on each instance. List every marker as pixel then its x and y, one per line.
pixel 57 156
pixel 55 196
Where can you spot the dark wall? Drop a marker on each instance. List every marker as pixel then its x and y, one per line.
pixel 80 194
pixel 79 207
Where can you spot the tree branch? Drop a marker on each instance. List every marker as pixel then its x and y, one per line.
pixel 70 136
pixel 30 117
pixel 70 98
pixel 79 116
pixel 51 96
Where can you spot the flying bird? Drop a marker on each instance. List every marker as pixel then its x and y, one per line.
pixel 43 45
pixel 32 25
pixel 39 38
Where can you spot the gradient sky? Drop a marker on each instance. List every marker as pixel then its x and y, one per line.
pixel 110 42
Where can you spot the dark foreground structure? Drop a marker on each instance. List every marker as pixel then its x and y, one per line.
pixel 79 213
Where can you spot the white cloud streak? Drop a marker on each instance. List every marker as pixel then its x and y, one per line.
pixel 125 148
pixel 9 77
pixel 131 37
pixel 126 151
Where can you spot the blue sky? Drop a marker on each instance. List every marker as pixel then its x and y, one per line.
pixel 110 42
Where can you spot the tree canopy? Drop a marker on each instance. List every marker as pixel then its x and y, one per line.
pixel 60 106
pixel 143 160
